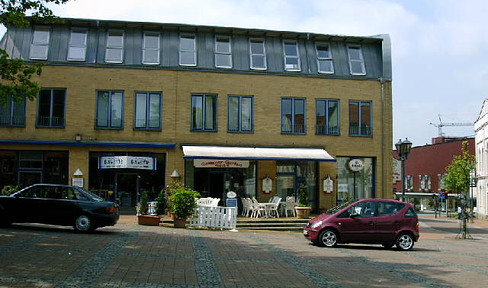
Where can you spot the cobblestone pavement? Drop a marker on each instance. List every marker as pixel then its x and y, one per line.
pixel 129 255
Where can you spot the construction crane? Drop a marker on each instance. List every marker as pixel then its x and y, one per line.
pixel 442 124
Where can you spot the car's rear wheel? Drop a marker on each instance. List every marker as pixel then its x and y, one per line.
pixel 83 224
pixel 405 242
pixel 328 238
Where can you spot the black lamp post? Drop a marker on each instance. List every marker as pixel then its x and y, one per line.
pixel 403 149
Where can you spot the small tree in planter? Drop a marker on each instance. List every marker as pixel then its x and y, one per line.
pixel 169 190
pixel 303 209
pixel 182 205
pixel 143 217
pixel 161 203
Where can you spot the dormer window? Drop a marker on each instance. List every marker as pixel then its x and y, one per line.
pixel 77 45
pixel 356 60
pixel 292 57
pixel 324 58
pixel 150 50
pixel 40 43
pixel 115 46
pixel 188 52
pixel 258 54
pixel 223 52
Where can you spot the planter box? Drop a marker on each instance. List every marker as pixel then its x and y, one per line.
pixel 179 222
pixel 149 220
pixel 303 212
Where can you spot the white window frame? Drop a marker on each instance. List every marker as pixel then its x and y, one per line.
pixel 194 50
pixel 82 47
pixel 251 54
pixel 40 47
pixel 297 56
pixel 227 54
pixel 146 49
pixel 324 59
pixel 115 47
pixel 359 61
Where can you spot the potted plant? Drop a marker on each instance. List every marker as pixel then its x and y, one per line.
pixel 182 205
pixel 168 191
pixel 303 209
pixel 143 217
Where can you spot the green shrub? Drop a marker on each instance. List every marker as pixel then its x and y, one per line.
pixel 303 196
pixel 143 204
pixel 183 202
pixel 9 189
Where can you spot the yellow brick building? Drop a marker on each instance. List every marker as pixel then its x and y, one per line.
pixel 126 107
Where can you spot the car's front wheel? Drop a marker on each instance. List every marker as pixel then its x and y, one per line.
pixel 405 242
pixel 328 238
pixel 83 224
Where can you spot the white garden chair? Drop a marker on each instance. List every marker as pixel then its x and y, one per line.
pixel 290 206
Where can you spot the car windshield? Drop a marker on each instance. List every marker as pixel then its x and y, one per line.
pixel 339 207
pixel 92 196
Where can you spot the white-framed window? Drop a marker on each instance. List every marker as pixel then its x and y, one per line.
pixel 257 54
pixel 292 57
pixel 223 52
pixel 150 49
pixel 77 45
pixel 114 52
pixel 356 60
pixel 40 43
pixel 188 52
pixel 324 58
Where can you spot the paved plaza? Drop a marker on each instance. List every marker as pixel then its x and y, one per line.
pixel 129 255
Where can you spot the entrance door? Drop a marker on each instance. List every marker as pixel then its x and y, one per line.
pixel 127 188
pixel 216 185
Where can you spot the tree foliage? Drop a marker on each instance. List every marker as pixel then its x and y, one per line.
pixel 458 172
pixel 16 76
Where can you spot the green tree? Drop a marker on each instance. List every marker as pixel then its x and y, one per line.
pixel 458 180
pixel 16 76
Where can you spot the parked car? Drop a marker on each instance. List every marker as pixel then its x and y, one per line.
pixel 372 221
pixel 59 205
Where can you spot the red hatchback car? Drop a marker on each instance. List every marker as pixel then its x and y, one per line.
pixel 372 221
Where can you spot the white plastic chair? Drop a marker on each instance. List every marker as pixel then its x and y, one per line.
pixel 290 206
pixel 273 207
pixel 246 206
pixel 256 209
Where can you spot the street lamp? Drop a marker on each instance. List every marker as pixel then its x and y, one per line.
pixel 403 149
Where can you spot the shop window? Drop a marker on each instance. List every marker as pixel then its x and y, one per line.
pixel 292 174
pixel 240 114
pixel 223 52
pixel 356 60
pixel 12 112
pixel 327 117
pixel 204 112
pixel 148 110
pixel 324 58
pixel 77 45
pixel 257 54
pixel 356 184
pixel 114 52
pixel 51 108
pixel 291 55
pixel 110 109
pixel 40 43
pixel 150 50
pixel 293 115
pixel 360 118
pixel 188 52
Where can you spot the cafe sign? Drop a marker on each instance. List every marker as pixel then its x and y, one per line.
pixel 215 163
pixel 127 162
pixel 356 165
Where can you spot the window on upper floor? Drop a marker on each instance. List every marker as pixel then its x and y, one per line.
pixel 51 108
pixel 257 54
pixel 293 115
pixel 324 58
pixel 77 45
pixel 114 53
pixel 12 113
pixel 110 109
pixel 148 110
pixel 327 117
pixel 360 118
pixel 188 52
pixel 150 49
pixel 204 112
pixel 240 114
pixel 292 57
pixel 356 60
pixel 223 52
pixel 40 43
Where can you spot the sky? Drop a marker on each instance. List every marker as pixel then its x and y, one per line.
pixel 439 47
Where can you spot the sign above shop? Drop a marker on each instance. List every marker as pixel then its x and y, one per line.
pixel 356 165
pixel 214 163
pixel 127 162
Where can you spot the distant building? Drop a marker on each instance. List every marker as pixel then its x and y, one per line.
pixel 126 107
pixel 481 136
pixel 426 169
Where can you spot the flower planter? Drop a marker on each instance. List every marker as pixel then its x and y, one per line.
pixel 303 212
pixel 179 222
pixel 149 220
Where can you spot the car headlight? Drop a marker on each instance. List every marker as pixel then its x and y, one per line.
pixel 316 224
